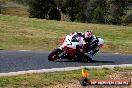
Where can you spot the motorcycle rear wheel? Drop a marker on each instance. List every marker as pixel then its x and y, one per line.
pixel 54 55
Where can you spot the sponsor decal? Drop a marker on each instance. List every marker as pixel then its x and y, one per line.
pixel 86 81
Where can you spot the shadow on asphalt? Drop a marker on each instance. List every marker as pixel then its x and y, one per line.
pixel 66 61
pixel 94 61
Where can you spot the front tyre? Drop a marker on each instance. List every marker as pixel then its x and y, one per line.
pixel 54 55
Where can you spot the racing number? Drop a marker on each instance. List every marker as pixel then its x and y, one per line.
pixel 70 42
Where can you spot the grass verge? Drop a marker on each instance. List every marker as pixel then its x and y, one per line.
pixel 47 79
pixel 15 11
pixel 10 7
pixel 21 33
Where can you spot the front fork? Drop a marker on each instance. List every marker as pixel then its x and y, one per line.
pixel 61 54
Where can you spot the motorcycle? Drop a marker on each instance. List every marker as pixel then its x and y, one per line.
pixel 70 49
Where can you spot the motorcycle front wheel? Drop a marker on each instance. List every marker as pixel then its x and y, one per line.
pixel 54 55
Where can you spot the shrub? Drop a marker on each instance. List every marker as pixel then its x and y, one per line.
pixel 127 19
pixel 40 8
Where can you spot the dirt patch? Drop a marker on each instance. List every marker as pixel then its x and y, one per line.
pixel 76 84
pixel 72 84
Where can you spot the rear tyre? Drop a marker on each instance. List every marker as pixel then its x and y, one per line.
pixel 54 54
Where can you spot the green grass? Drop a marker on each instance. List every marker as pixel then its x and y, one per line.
pixel 15 11
pixel 39 80
pixel 10 7
pixel 21 33
pixel 122 69
pixel 52 78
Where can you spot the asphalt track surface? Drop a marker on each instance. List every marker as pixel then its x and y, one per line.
pixel 13 61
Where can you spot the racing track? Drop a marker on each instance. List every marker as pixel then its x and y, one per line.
pixel 12 61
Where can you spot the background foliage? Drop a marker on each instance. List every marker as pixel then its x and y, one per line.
pixel 88 11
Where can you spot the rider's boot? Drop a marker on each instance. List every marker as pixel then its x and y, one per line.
pixel 94 52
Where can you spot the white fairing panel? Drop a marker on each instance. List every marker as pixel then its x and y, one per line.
pixel 69 43
pixel 101 41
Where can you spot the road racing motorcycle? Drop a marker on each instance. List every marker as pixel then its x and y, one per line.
pixel 70 49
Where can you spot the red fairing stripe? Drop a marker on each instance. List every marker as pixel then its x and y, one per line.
pixel 70 51
pixel 71 33
pixel 101 45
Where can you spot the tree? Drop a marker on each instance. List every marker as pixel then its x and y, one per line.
pixel 40 8
pixel 96 11
pixel 1 3
pixel 74 9
pixel 98 15
pixel 116 10
pixel 70 8
pixel 81 17
pixel 54 14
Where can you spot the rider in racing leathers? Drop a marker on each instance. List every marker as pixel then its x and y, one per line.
pixel 91 42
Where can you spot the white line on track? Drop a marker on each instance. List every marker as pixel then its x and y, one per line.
pixel 62 69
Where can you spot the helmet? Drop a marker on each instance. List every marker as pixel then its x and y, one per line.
pixel 88 34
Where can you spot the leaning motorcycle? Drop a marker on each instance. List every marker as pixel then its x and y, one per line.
pixel 70 49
